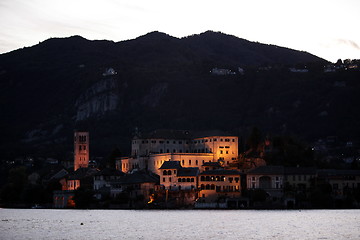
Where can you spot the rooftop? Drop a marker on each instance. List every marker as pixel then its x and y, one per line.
pixel 171 165
pixel 268 170
pixel 188 172
pixel 221 172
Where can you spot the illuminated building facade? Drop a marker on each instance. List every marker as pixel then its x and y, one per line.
pixel 81 150
pixel 150 152
pixel 219 183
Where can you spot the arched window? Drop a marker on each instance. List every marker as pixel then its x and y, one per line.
pixel 212 187
pixel 207 187
pixel 207 178
pixel 188 179
pixel 179 180
pixel 202 178
pixel 202 186
pixel 192 179
pixel 164 172
pixel 169 172
pixel 183 180
pixel 218 178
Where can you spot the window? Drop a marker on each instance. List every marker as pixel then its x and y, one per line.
pixel 215 139
pixel 230 179
pixel 167 150
pixel 183 162
pixel 202 178
pixel 188 180
pixel 174 171
pixel 227 152
pixel 189 162
pixel 233 140
pixel 169 179
pixel 227 140
pixel 153 141
pixel 221 151
pixel 192 179
pixel 169 172
pixel 164 180
pixel 196 162
pixel 221 139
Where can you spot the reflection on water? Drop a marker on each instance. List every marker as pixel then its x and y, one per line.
pixel 178 224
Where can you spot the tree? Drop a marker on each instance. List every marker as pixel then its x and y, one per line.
pixel 254 139
pixel 83 198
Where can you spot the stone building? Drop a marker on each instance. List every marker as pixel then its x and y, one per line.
pixel 151 151
pixel 81 150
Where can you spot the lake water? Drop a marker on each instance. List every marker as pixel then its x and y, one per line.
pixel 179 224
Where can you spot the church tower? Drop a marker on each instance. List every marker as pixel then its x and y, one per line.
pixel 81 150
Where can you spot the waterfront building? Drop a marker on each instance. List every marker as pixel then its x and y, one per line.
pixel 268 178
pixel 175 177
pixel 219 184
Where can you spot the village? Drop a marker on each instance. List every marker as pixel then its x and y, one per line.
pixel 175 169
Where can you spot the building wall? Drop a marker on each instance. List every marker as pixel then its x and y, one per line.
pixel 254 181
pixel 154 161
pixel 81 150
pixel 152 153
pixel 73 184
pixel 214 186
pixel 296 180
pixel 145 147
pixel 223 147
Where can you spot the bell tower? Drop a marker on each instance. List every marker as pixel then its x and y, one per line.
pixel 81 150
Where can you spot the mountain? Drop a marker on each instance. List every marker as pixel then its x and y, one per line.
pixel 159 81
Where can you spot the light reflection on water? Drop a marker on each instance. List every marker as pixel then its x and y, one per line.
pixel 178 224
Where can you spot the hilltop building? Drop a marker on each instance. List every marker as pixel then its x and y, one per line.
pixel 151 151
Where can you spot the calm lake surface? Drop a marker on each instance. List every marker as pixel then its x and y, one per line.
pixel 179 224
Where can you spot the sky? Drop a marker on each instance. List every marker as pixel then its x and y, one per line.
pixel 325 28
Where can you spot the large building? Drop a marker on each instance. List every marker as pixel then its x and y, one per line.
pixel 151 151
